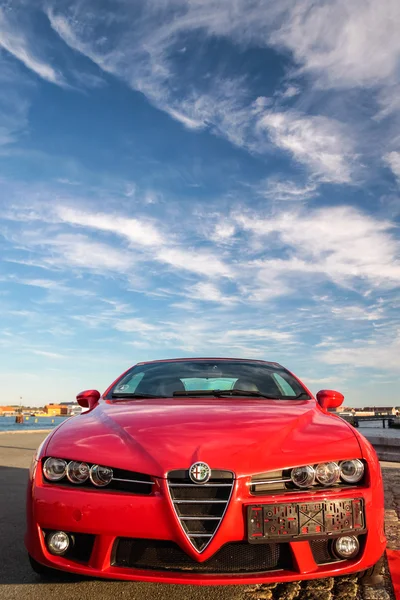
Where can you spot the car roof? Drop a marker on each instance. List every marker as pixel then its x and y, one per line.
pixel 212 358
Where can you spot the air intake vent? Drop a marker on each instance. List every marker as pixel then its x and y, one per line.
pixel 200 507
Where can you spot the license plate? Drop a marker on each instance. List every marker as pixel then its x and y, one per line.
pixel 305 519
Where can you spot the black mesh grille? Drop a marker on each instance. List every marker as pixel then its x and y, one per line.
pixel 200 507
pixel 236 557
pixel 322 552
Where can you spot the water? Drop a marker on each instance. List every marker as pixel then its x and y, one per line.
pixel 375 429
pixel 30 423
pixel 369 429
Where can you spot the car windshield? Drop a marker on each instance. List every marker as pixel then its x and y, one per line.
pixel 208 378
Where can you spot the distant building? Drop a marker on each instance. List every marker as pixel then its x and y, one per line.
pixel 380 410
pixel 6 411
pixel 72 407
pixel 56 410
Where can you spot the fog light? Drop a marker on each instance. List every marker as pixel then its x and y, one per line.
pixel 346 546
pixel 58 542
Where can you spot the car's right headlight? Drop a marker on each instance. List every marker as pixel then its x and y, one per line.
pixel 328 474
pixel 351 471
pixel 314 476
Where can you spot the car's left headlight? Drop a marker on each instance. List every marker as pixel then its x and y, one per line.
pixel 81 474
pixel 56 469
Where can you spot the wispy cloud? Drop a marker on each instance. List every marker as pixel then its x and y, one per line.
pixel 318 142
pixel 47 354
pixel 329 42
pixel 377 353
pixel 135 230
pixel 323 243
pixel 342 44
pixel 393 161
pixel 357 313
pixel 13 40
pixel 277 188
pixel 14 103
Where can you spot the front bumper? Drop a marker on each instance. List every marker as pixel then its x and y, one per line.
pixel 111 515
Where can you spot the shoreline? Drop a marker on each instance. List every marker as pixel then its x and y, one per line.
pixel 27 431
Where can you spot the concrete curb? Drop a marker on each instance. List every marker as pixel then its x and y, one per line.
pixel 387 449
pixel 26 431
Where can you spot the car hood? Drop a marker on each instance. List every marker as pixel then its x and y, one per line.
pixel 244 435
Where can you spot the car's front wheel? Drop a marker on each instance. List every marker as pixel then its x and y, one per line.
pixel 44 572
pixel 373 575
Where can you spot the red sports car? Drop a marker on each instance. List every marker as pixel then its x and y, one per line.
pixel 206 471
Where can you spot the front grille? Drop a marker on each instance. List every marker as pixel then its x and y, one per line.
pixel 236 557
pixel 321 551
pixel 200 507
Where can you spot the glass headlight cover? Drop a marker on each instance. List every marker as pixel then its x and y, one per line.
pixel 54 469
pixel 78 472
pixel 303 477
pixel 100 476
pixel 351 471
pixel 327 473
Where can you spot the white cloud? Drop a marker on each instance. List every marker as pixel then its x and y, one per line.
pixel 393 161
pixel 276 188
pixel 358 313
pixel 318 142
pixel 209 292
pixel 14 103
pixel 329 41
pixel 258 335
pixel 47 354
pixel 13 40
pixel 340 243
pixel 343 44
pixel 377 353
pixel 77 251
pixel 134 325
pixel 195 261
pixel 135 230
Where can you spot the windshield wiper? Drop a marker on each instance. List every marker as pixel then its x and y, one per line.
pixel 220 393
pixel 123 396
pixel 307 397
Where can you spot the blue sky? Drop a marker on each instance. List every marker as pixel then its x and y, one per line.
pixel 196 178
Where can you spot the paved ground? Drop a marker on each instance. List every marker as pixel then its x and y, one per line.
pixel 17 581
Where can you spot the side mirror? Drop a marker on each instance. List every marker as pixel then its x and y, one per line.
pixel 88 398
pixel 329 399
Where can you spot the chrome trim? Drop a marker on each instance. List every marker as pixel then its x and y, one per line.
pixel 197 485
pixel 133 481
pixel 198 501
pixel 187 535
pixel 200 518
pixel 269 481
pixel 200 534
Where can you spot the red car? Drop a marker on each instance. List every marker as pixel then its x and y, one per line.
pixel 206 471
